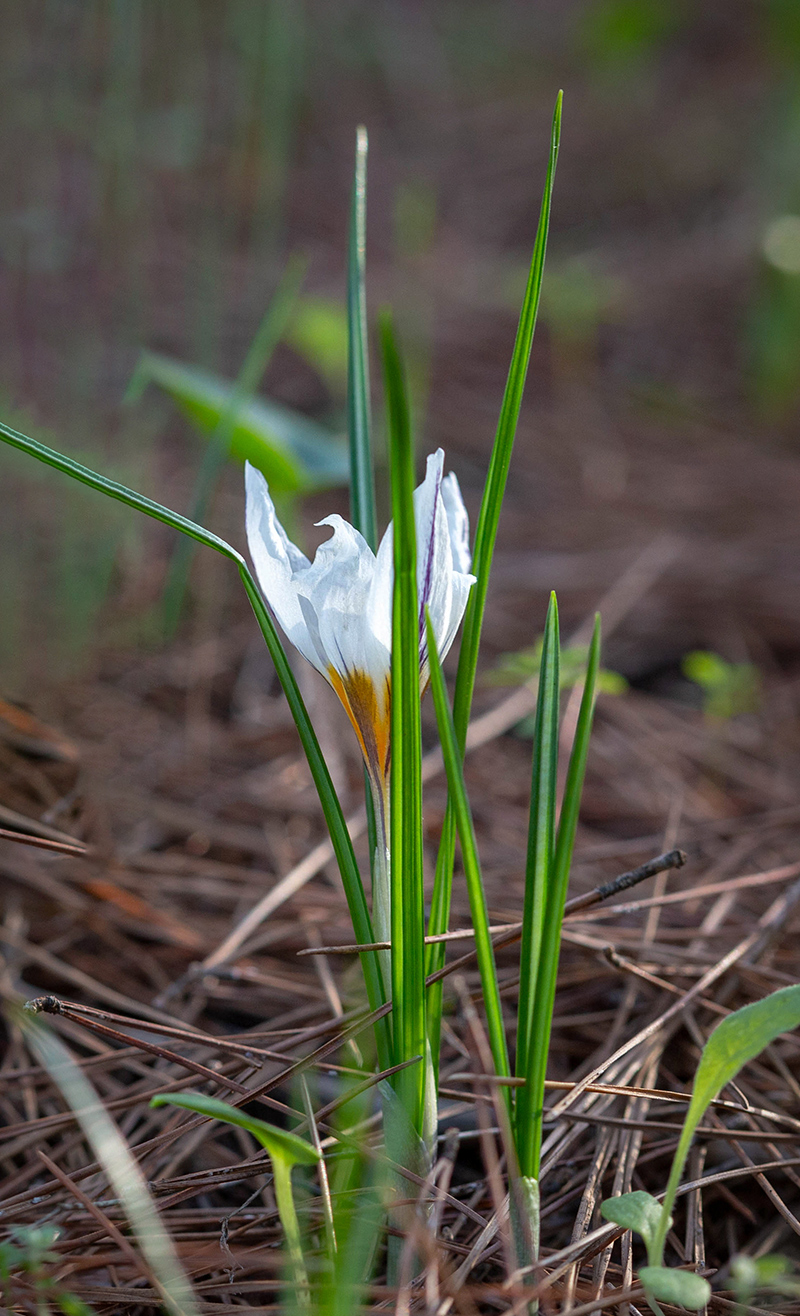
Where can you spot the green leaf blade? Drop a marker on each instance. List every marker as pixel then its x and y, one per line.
pixel 486 530
pixel 680 1287
pixel 278 1142
pixel 740 1038
pixel 359 423
pixel 638 1211
pixel 530 1132
pixel 541 834
pixel 469 852
pixel 334 816
pixel 491 504
pixel 407 895
pixel 295 453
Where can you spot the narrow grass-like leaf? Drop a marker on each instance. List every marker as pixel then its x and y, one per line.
pixel 407 921
pixel 739 1038
pixel 114 1155
pixel 334 817
pixel 529 1128
pixel 486 533
pixel 362 480
pixel 541 834
pixel 266 339
pixel 280 1144
pixel 439 921
pixel 285 1150
pixel 359 416
pixel 471 861
pixel 491 504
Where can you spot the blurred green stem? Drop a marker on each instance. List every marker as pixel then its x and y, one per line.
pixel 268 335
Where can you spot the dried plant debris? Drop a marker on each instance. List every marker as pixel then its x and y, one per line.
pixel 117 931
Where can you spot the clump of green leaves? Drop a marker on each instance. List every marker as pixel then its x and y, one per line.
pixel 739 1038
pixel 29 1251
pixel 772 1274
pixel 523 665
pixel 728 688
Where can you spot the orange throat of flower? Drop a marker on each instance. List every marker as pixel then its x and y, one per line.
pixel 369 710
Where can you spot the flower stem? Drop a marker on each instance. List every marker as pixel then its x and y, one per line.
pixel 382 875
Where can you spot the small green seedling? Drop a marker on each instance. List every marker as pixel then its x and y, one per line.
pixel 30 1250
pixel 728 688
pixel 285 1150
pixel 739 1038
pixel 770 1274
pixel 522 665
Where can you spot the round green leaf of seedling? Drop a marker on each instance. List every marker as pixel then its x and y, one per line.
pixel 677 1286
pixel 638 1211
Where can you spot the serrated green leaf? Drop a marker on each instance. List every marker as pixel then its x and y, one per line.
pixel 638 1211
pixel 294 453
pixel 678 1286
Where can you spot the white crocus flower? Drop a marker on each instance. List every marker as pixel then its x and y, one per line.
pixel 337 610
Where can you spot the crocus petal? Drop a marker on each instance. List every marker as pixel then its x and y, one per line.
pixel 458 523
pixel 338 588
pixel 278 562
pixel 337 610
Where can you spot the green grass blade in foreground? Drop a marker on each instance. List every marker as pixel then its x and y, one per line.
pixel 267 336
pixel 529 1131
pixel 486 532
pixel 472 869
pixel 362 479
pixel 334 817
pixel 285 1150
pixel 120 1167
pixel 407 921
pixel 541 838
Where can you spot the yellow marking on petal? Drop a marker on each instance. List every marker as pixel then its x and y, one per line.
pixel 370 716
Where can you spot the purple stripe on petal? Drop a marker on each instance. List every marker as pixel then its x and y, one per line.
pixel 427 572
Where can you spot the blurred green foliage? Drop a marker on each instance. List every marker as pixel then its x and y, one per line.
pixel 54 584
pixel 318 332
pixel 523 665
pixel 615 34
pixel 295 453
pixel 771 1275
pixel 30 1252
pixel 728 688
